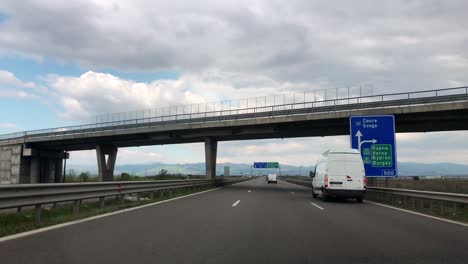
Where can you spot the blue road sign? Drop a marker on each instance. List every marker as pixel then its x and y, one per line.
pixel 374 137
pixel 266 165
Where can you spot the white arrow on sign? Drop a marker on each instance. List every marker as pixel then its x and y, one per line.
pixel 359 135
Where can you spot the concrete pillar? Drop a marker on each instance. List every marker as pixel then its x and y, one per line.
pixel 35 170
pixel 211 149
pixel 106 167
pixel 58 171
pixel 20 164
pixel 44 170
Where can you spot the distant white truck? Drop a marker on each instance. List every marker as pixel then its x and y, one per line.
pixel 339 173
pixel 272 177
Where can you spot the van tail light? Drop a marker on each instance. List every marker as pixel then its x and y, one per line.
pixel 364 181
pixel 326 181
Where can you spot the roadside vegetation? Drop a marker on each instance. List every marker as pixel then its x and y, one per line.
pixel 72 177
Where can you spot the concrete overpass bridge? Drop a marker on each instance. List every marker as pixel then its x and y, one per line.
pixel 37 156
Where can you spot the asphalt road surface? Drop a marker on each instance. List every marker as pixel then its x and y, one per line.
pixel 251 222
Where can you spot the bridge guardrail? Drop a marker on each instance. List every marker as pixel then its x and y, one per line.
pixel 21 195
pixel 233 112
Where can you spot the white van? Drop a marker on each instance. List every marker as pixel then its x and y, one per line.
pixel 340 173
pixel 272 178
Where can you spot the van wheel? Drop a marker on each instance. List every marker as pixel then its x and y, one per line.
pixel 359 199
pixel 324 196
pixel 314 195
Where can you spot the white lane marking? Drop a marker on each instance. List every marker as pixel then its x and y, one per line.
pixel 236 203
pixel 319 207
pixel 420 214
pixel 292 192
pixel 249 191
pixel 40 230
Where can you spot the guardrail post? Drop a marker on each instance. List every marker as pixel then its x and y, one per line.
pixel 19 209
pixel 76 207
pixel 101 203
pixel 37 214
pixel 151 195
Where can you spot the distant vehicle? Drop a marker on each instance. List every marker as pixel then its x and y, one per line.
pixel 340 173
pixel 272 177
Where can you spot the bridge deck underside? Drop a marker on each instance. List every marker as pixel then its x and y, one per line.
pixel 291 127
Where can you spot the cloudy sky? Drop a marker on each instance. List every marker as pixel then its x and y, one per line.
pixel 63 62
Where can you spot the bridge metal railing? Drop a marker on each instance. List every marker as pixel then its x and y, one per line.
pixel 37 195
pixel 447 205
pixel 279 105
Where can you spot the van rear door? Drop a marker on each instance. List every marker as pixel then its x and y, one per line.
pixel 345 171
pixel 354 174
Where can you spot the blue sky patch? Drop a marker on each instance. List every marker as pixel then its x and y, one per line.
pixel 3 17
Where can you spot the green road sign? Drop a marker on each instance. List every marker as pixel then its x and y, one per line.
pixel 381 155
pixel 266 165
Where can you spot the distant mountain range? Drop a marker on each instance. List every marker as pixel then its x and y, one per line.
pixel 405 169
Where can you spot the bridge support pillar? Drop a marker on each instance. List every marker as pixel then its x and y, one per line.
pixel 35 173
pixel 58 171
pixel 106 167
pixel 45 166
pixel 211 149
pixel 20 164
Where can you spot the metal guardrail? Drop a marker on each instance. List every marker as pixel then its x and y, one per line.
pixel 298 105
pixel 19 195
pixel 441 196
pixel 22 195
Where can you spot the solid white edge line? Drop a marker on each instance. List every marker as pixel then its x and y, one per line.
pixel 319 207
pixel 40 230
pixel 420 214
pixel 236 203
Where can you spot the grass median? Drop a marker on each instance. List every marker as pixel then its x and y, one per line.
pixel 17 222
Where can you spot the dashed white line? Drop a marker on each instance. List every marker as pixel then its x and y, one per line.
pixel 292 192
pixel 236 203
pixel 248 191
pixel 319 207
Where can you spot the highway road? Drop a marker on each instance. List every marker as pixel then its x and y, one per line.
pixel 251 222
